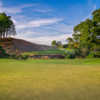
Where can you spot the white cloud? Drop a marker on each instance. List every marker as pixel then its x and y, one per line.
pixel 19 9
pixel 13 10
pixel 62 28
pixel 47 39
pixel 42 10
pixel 47 33
pixel 37 23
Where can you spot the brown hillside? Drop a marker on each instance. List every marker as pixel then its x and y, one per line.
pixel 13 46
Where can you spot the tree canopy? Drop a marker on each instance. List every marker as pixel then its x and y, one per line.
pixel 86 35
pixel 7 27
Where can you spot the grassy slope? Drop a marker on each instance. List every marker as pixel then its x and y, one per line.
pixel 50 79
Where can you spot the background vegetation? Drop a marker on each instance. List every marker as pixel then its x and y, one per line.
pixel 85 41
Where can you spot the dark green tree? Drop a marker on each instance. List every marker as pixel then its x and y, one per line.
pixel 96 32
pixel 54 42
pixel 83 33
pixel 59 44
pixel 70 42
pixel 7 27
pixel 86 35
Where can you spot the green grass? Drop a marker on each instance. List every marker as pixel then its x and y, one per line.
pixel 56 51
pixel 50 79
pixel 51 52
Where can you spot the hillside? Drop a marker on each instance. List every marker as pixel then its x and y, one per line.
pixel 13 46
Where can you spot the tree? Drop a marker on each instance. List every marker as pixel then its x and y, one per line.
pixel 96 16
pixel 83 32
pixel 96 28
pixel 76 40
pixel 83 36
pixel 86 35
pixel 7 27
pixel 54 43
pixel 70 42
pixel 96 32
pixel 59 44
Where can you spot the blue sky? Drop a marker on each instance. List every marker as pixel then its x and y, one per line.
pixel 42 21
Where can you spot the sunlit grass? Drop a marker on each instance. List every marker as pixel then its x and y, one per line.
pixel 50 79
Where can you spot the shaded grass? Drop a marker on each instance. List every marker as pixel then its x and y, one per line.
pixel 50 79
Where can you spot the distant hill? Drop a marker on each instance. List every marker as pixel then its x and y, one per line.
pixel 13 46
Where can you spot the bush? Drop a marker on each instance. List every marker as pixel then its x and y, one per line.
pixel 97 54
pixel 91 55
pixel 24 57
pixel 84 52
pixel 70 53
pixel 19 57
pixel 3 54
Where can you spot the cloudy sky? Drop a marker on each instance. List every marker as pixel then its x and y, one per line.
pixel 42 21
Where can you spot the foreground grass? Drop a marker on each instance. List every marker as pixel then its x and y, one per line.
pixel 50 79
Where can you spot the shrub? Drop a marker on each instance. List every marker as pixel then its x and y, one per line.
pixel 70 53
pixel 3 54
pixel 84 52
pixel 91 55
pixel 19 57
pixel 24 57
pixel 97 54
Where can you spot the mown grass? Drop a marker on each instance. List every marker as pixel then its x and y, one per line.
pixel 46 52
pixel 50 79
pixel 91 61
